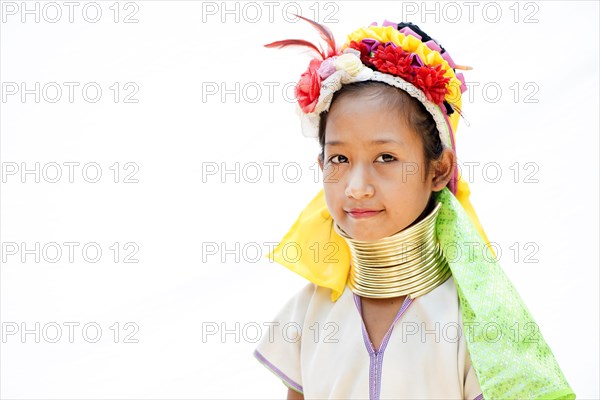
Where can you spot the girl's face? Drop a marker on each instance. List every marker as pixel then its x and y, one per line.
pixel 375 178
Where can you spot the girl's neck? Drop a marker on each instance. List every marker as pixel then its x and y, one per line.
pixel 410 262
pixel 428 209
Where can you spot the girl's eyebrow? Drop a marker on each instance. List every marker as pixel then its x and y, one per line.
pixel 372 142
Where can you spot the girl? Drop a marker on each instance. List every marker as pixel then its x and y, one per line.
pixel 405 299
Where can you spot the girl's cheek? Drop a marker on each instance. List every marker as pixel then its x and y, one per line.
pixel 330 174
pixel 337 174
pixel 397 174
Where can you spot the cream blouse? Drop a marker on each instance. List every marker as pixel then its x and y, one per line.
pixel 321 348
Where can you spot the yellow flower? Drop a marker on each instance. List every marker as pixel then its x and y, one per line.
pixel 381 33
pixel 390 34
pixel 454 93
pixel 412 44
pixel 434 58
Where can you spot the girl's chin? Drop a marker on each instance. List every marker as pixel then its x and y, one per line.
pixel 368 231
pixel 367 238
pixel 362 234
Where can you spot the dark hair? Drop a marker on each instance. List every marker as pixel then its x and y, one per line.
pixel 411 110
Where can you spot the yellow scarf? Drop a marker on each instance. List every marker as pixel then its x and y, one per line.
pixel 313 249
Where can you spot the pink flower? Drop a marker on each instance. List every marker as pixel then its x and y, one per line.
pixel 308 88
pixel 327 68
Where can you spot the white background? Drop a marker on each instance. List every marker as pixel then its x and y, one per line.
pixel 177 130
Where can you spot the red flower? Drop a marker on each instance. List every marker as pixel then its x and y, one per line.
pixel 308 88
pixel 365 57
pixel 432 82
pixel 394 61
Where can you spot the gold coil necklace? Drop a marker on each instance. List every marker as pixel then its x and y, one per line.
pixel 410 262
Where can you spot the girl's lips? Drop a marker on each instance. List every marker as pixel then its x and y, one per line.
pixel 363 213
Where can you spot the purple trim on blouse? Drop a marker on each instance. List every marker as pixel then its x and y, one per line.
pixel 376 356
pixel 479 397
pixel 278 372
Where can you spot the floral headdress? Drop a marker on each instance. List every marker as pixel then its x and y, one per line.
pixel 398 54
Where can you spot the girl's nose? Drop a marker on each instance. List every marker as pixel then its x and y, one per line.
pixel 359 184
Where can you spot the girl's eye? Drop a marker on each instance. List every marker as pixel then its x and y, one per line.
pixel 388 156
pixel 340 158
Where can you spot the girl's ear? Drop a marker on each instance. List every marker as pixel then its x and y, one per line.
pixel 443 170
pixel 320 163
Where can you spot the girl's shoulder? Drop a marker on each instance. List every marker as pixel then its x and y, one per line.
pixel 299 302
pixel 313 302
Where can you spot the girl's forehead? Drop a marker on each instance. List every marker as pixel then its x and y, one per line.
pixel 387 106
pixel 367 126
